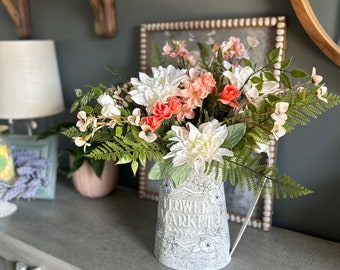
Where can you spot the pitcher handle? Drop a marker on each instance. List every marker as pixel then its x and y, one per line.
pixel 246 221
pixel 271 161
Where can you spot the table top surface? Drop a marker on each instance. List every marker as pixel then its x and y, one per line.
pixel 117 232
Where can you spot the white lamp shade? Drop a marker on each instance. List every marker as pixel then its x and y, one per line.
pixel 29 80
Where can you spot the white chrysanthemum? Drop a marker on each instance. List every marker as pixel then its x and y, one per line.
pixel 198 146
pixel 163 84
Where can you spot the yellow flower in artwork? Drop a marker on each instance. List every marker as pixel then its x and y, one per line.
pixel 6 164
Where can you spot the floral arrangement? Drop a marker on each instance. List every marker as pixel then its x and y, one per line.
pixel 30 168
pixel 209 110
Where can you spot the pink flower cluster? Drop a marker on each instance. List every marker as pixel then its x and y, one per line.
pixel 230 48
pixel 178 51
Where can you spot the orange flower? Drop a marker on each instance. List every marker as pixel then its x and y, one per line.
pixel 228 96
pixel 174 104
pixel 161 111
pixel 151 121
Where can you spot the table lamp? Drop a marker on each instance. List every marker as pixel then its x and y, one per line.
pixel 30 88
pixel 29 80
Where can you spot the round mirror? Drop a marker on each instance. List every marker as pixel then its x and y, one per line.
pixel 316 32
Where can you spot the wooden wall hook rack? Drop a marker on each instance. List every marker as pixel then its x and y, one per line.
pixel 104 17
pixel 20 15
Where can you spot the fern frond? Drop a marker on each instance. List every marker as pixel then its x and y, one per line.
pixel 287 187
pixel 247 168
pixel 125 149
pixel 305 105
pixel 72 132
pixel 156 57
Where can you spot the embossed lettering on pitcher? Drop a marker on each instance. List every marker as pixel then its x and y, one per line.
pixel 192 228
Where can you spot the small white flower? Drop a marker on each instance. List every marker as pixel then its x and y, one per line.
pixel 262 148
pixel 147 134
pixel 111 124
pixel 253 96
pixel 322 91
pixel 83 121
pixel 134 119
pixel 82 141
pixel 316 79
pixel 109 105
pixel 280 115
pixel 278 131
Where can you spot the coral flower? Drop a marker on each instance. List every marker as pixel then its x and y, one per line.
pixel 228 96
pixel 152 122
pixel 174 104
pixel 161 110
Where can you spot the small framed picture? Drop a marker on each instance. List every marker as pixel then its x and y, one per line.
pixel 26 149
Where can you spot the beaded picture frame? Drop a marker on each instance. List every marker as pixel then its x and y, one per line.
pixel 271 32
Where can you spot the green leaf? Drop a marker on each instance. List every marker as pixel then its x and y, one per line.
pixel 78 161
pixel 286 62
pixel 97 165
pixel 119 131
pixel 219 56
pixel 78 92
pixel 269 76
pixel 247 62
pixel 113 71
pixel 180 174
pixel 87 109
pixel 256 80
pixel 74 106
pixel 97 92
pixel 134 166
pixel 273 98
pixel 285 80
pixel 235 134
pixel 161 169
pixel 125 159
pixel 297 73
pixel 274 55
pixel 84 100
pixel 251 107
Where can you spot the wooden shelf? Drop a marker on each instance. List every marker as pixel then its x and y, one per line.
pixel 117 232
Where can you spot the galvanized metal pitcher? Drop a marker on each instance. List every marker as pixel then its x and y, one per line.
pixel 192 227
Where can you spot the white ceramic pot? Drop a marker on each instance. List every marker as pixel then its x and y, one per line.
pixel 88 184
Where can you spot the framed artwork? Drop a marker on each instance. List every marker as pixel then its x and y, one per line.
pixel 28 148
pixel 271 33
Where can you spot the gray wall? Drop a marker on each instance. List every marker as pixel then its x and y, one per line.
pixel 310 154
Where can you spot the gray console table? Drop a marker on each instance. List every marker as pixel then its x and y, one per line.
pixel 117 232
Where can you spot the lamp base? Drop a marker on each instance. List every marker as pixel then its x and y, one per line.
pixel 7 209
